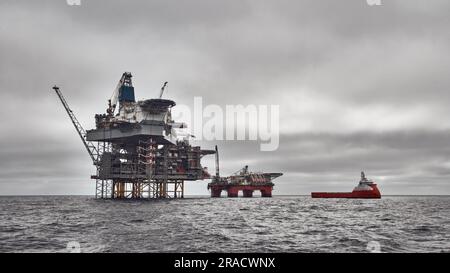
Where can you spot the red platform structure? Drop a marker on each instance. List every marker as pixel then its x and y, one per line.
pixel 242 180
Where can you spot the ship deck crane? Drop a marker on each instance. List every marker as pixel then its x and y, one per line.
pixel 90 146
pixel 242 171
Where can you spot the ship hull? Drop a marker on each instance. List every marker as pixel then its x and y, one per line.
pixel 374 193
pixel 348 195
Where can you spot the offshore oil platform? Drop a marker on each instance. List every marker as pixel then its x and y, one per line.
pixel 138 152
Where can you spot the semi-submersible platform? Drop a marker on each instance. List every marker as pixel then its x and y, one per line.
pixel 242 180
pixel 138 151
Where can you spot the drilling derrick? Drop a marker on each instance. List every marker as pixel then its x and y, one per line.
pixel 135 147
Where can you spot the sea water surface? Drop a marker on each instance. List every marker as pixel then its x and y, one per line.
pixel 278 224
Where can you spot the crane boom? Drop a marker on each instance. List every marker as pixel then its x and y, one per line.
pixel 126 78
pixel 162 90
pixel 242 171
pixel 90 147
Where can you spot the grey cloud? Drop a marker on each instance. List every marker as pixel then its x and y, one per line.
pixel 246 52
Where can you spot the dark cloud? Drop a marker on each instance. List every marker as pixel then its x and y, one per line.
pixel 359 87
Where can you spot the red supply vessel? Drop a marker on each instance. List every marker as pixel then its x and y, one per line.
pixel 366 189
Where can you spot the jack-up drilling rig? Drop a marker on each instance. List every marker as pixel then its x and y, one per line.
pixel 136 147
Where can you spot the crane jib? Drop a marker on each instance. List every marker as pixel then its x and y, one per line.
pixel 90 147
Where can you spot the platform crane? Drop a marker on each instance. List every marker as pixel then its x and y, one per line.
pixel 112 103
pixel 90 146
pixel 162 90
pixel 243 171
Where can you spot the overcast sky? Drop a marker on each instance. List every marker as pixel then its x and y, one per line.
pixel 359 87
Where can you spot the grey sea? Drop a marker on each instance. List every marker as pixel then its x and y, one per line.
pixel 201 224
